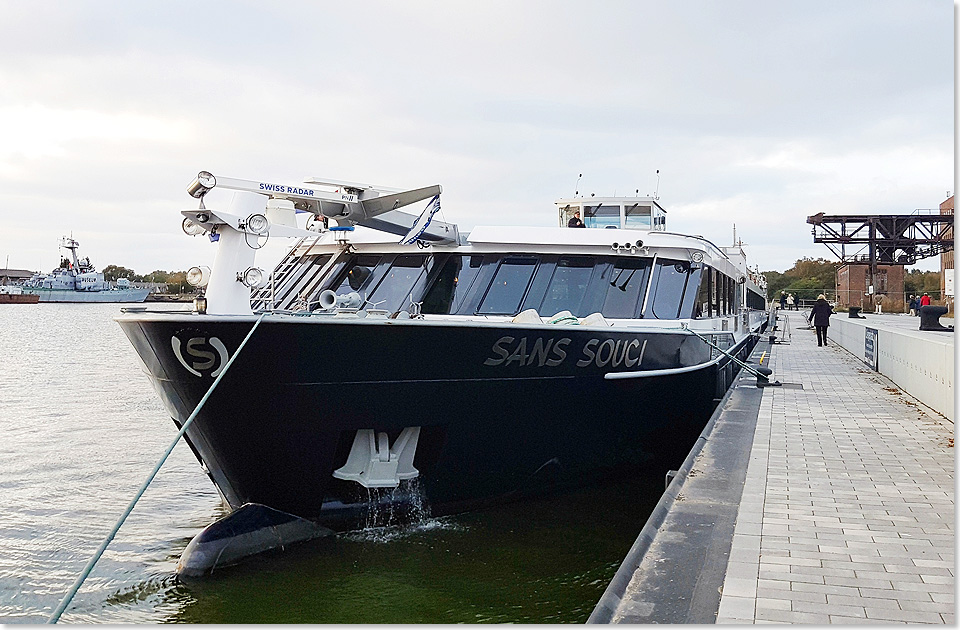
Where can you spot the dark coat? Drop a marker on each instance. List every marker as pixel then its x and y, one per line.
pixel 820 315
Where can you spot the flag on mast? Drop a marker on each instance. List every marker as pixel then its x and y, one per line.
pixel 420 225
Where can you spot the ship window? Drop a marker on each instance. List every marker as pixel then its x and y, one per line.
pixel 567 286
pixel 667 288
pixel 358 274
pixel 715 293
pixel 690 294
pixel 601 216
pixel 451 286
pixel 702 306
pixel 397 282
pixel 625 285
pixel 508 287
pixel 638 217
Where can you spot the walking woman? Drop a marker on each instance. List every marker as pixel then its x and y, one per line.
pixel 820 318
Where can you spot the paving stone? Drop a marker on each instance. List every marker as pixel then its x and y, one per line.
pixel 908 616
pixel 773 604
pixel 829 609
pixel 840 619
pixel 920 596
pixel 786 593
pixel 789 616
pixel 873 602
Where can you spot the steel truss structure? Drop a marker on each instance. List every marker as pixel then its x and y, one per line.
pixel 889 239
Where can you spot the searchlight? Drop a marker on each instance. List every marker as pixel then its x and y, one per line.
pixel 198 276
pixel 202 184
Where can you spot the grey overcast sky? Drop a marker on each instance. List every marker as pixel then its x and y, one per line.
pixel 755 112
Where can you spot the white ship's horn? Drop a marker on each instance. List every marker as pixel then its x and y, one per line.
pixel 328 299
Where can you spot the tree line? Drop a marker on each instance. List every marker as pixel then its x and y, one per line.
pixel 809 277
pixel 176 281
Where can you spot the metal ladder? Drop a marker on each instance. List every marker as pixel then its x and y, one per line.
pixel 259 298
pixel 781 332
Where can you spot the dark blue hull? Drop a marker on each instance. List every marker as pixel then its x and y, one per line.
pixel 502 409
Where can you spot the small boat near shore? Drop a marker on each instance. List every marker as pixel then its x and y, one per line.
pixel 398 361
pixel 11 294
pixel 77 280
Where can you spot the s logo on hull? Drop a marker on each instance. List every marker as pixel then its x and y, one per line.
pixel 202 353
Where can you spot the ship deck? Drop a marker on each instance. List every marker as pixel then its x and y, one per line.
pixel 827 500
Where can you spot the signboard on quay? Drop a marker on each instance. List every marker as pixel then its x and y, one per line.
pixel 871 352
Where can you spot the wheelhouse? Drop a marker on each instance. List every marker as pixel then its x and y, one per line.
pixel 632 213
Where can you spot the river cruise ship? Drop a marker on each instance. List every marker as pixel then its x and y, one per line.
pixel 393 354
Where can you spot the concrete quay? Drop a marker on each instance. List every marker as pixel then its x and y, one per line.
pixel 919 362
pixel 827 500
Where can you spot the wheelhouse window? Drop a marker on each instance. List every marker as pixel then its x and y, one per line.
pixel 626 282
pixel 397 283
pixel 568 286
pixel 509 285
pixel 451 285
pixel 601 216
pixel 637 217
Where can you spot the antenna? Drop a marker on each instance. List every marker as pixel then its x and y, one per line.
pixel 576 187
pixel 656 193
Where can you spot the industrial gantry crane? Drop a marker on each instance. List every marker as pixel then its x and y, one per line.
pixel 889 239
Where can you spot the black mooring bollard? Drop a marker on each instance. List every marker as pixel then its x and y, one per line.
pixel 764 380
pixel 930 318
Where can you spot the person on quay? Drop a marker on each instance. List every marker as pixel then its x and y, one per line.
pixel 575 221
pixel 912 305
pixel 820 318
pixel 879 307
pixel 791 303
pixel 783 300
pixel 924 300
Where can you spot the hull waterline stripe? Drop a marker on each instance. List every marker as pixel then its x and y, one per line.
pixel 106 541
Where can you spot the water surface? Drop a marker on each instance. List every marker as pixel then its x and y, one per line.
pixel 80 429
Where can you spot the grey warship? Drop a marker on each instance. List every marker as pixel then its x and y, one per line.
pixel 79 281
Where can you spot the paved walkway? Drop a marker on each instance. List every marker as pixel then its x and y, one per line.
pixel 847 514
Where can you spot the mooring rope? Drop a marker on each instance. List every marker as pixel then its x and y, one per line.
pixel 183 429
pixel 732 358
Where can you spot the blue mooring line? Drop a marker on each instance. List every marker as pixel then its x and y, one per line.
pixel 106 541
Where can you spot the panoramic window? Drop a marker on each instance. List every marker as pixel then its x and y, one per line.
pixel 358 274
pixel 601 216
pixel 669 282
pixel 567 286
pixel 508 287
pixel 451 286
pixel 625 287
pixel 397 282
